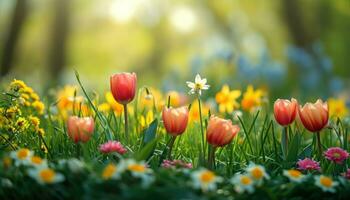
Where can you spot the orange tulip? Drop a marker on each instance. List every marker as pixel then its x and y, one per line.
pixel 80 129
pixel 220 132
pixel 123 86
pixel 175 120
pixel 314 116
pixel 285 111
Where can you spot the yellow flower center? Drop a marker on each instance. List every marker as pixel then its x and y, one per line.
pixel 36 160
pixel 198 86
pixel 23 153
pixel 109 171
pixel 47 175
pixel 207 177
pixel 325 181
pixel 336 155
pixel 245 180
pixel 137 168
pixel 257 173
pixel 294 173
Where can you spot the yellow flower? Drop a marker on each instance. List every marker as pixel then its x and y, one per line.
pixel 176 99
pixel 294 175
pixel 43 148
pixel 146 121
pixel 35 122
pixel 194 112
pixel 17 85
pixel 110 172
pixel 154 98
pixel 327 184
pixel 39 107
pixel 12 112
pixel 337 107
pixel 41 132
pixel 21 124
pixel 227 99
pixel 66 98
pixel 104 107
pixel 117 107
pixel 251 98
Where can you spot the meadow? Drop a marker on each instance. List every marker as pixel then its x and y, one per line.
pixel 136 142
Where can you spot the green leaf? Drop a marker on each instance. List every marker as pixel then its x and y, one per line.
pixel 150 132
pixel 306 153
pixel 146 151
pixel 293 148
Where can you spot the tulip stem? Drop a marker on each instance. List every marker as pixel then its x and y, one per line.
pixel 285 142
pixel 201 122
pixel 319 145
pixel 126 119
pixel 211 157
pixel 77 146
pixel 171 144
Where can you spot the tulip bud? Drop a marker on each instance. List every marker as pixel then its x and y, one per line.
pixel 220 132
pixel 123 86
pixel 80 129
pixel 314 116
pixel 175 120
pixel 285 111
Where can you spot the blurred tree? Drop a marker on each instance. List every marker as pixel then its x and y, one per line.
pixel 15 27
pixel 59 33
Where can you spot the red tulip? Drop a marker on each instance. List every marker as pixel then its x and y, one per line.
pixel 80 129
pixel 175 120
pixel 285 111
pixel 314 116
pixel 220 132
pixel 123 86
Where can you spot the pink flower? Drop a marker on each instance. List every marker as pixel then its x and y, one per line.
pixel 176 164
pixel 346 174
pixel 112 146
pixel 336 154
pixel 308 164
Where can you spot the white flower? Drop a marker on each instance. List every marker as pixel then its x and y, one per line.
pixel 36 161
pixel 45 175
pixel 112 171
pixel 21 156
pixel 243 183
pixel 257 173
pixel 205 179
pixel 294 175
pixel 73 164
pixel 139 170
pixel 198 85
pixel 326 183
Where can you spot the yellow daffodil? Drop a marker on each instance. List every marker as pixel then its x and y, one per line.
pixel 117 107
pixel 154 97
pixel 251 99
pixel 194 112
pixel 145 121
pixel 227 99
pixel 337 107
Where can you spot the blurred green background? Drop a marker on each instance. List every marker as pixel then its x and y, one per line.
pixel 290 47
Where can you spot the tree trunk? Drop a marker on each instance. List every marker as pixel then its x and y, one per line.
pixel 15 27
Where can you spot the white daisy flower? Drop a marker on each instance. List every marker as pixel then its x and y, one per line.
pixel 257 173
pixel 36 161
pixel 294 175
pixel 198 85
pixel 243 183
pixel 327 184
pixel 73 164
pixel 45 175
pixel 139 170
pixel 112 171
pixel 205 180
pixel 21 156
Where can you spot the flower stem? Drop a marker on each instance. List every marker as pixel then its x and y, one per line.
pixel 285 144
pixel 77 146
pixel 126 119
pixel 211 157
pixel 319 145
pixel 201 123
pixel 171 144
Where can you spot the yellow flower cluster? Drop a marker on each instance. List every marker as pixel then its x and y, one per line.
pixel 27 96
pixel 337 107
pixel 15 118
